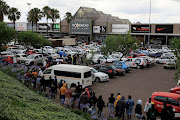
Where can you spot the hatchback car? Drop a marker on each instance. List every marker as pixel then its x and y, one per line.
pixel 123 65
pixel 175 90
pixel 170 64
pixel 99 76
pixel 171 99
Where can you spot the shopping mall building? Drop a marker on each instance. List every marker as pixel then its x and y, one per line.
pixel 88 24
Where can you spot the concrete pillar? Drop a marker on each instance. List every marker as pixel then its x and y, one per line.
pixel 166 39
pixel 144 39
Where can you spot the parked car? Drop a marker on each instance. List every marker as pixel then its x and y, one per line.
pixel 106 69
pixel 99 76
pixel 13 49
pixel 53 55
pixel 137 62
pixel 171 99
pixel 8 58
pixel 48 49
pixel 20 57
pixel 170 64
pixel 122 65
pixel 4 53
pixel 175 90
pixel 161 59
pixel 96 57
pixel 33 59
pixel 29 52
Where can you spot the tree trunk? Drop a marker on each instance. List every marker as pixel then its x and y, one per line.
pixel 36 27
pixel 1 16
pixel 53 29
pixel 14 24
pixel 32 26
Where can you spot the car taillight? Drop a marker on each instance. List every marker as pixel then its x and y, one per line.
pixel 133 63
pixel 82 81
pixel 110 71
pixel 143 63
pixel 164 63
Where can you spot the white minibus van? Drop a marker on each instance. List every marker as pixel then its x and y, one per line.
pixel 70 74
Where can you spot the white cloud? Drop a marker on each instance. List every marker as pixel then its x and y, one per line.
pixel 163 11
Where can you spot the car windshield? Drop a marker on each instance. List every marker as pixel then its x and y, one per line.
pixel 113 66
pixel 49 48
pixel 23 55
pixel 14 48
pixel 170 60
pixel 30 57
pixel 94 71
pixel 109 57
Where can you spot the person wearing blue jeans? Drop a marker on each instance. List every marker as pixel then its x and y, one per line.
pixel 111 104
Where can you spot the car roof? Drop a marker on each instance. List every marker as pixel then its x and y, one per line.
pixel 166 94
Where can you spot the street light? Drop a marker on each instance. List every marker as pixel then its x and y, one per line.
pixel 149 24
pixel 29 5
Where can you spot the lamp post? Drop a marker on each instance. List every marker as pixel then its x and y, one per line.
pixel 149 24
pixel 29 5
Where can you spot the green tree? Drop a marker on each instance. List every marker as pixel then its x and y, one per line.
pixel 68 18
pixel 54 14
pixel 6 34
pixel 46 13
pixel 119 43
pixel 14 15
pixel 4 10
pixel 30 17
pixel 33 39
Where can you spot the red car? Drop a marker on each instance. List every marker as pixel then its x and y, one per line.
pixel 29 52
pixel 171 99
pixel 8 58
pixel 175 90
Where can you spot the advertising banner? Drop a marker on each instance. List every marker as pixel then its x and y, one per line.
pixel 120 28
pixel 43 26
pixel 164 29
pixel 140 29
pixel 21 26
pixel 80 27
pixel 29 27
pixel 56 27
pixel 99 29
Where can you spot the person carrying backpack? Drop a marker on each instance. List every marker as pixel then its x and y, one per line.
pixel 116 106
pixel 129 107
pixel 122 105
pixel 152 112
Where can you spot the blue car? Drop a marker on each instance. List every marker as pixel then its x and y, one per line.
pixel 62 53
pixel 123 65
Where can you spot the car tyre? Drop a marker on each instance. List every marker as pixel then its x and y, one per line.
pixel 157 62
pixel 164 67
pixel 31 63
pixel 138 67
pixel 97 80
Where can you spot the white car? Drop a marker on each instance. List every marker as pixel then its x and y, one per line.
pixel 137 62
pixel 20 56
pixel 33 59
pixel 171 63
pixel 110 59
pixel 48 48
pixel 150 60
pixel 53 55
pixel 116 56
pixel 161 59
pixel 99 76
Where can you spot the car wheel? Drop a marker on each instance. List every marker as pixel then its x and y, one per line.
pixel 157 62
pixel 138 67
pixel 164 67
pixel 31 63
pixel 97 80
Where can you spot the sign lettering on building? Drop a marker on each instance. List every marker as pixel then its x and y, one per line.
pixel 99 29
pixel 56 26
pixel 140 28
pixel 44 26
pixel 164 29
pixel 120 28
pixel 21 26
pixel 80 27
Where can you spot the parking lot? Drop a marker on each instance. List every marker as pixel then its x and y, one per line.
pixel 139 83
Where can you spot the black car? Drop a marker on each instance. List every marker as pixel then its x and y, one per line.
pixel 106 69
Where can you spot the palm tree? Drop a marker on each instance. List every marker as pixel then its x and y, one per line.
pixel 46 12
pixel 68 18
pixel 54 14
pixel 13 15
pixel 3 10
pixel 30 17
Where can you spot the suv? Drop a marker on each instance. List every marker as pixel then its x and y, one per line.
pixel 106 69
pixel 33 59
pixel 171 99
pixel 137 62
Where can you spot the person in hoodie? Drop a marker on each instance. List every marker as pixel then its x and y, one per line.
pixel 115 105
pixel 122 105
pixel 138 109
pixel 100 104
pixel 87 90
pixel 84 100
pixel 62 91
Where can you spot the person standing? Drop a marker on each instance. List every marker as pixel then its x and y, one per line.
pixel 83 101
pixel 92 102
pixel 138 110
pixel 152 112
pixel 116 106
pixel 100 104
pixel 78 89
pixel 129 107
pixel 167 113
pixel 55 84
pixel 147 106
pixel 62 91
pixel 60 84
pixel 68 96
pixel 111 104
pixel 122 104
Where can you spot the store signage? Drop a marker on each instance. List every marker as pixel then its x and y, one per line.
pixel 140 28
pixel 56 26
pixel 120 28
pixel 21 26
pixel 80 27
pixel 164 29
pixel 99 29
pixel 11 25
pixel 44 27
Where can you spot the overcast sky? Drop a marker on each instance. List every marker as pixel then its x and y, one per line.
pixel 163 11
